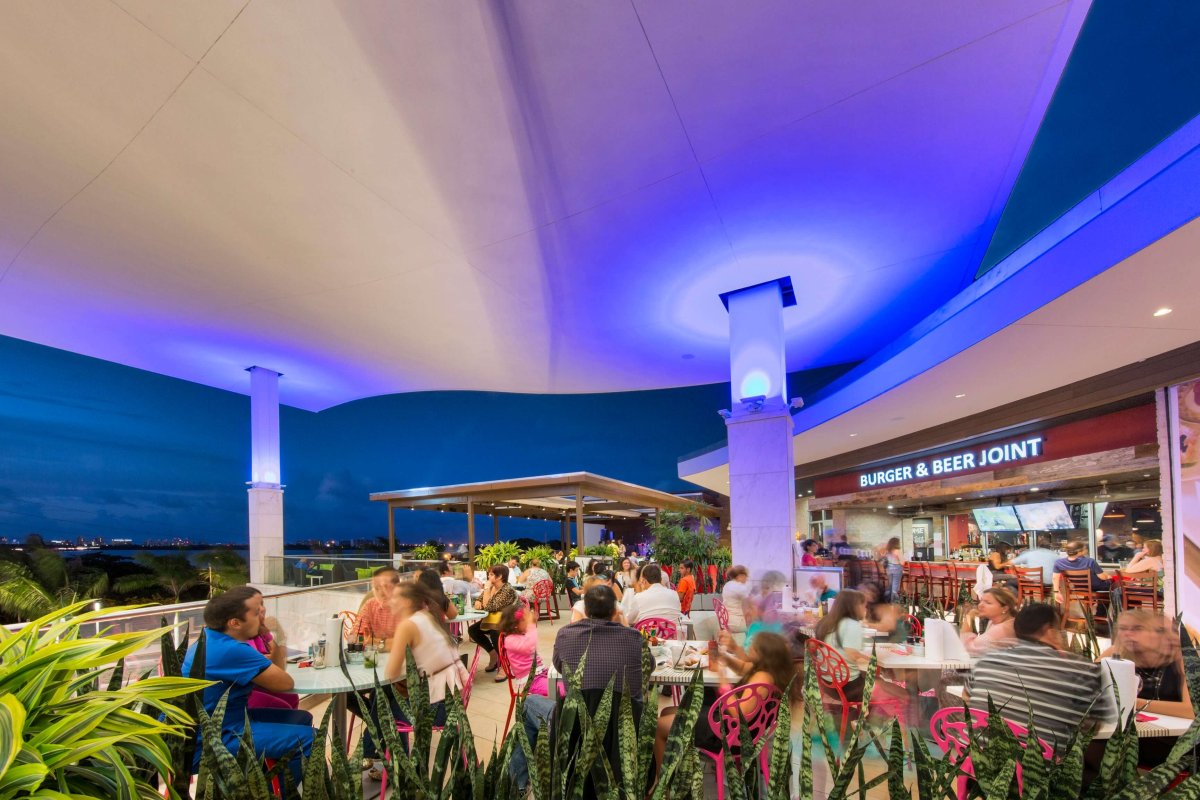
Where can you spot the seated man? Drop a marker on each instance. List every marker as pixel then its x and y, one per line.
pixel 1038 556
pixel 612 650
pixel 375 619
pixel 686 588
pixel 652 599
pixel 1037 676
pixel 231 620
pixel 574 595
pixel 453 585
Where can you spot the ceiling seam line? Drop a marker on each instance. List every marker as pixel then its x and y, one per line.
pixel 683 129
pixel 803 117
pixel 21 251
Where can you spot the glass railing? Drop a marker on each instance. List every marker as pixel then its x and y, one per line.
pixel 321 570
pixel 299 615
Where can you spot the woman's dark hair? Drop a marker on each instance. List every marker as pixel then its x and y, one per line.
pixel 597 566
pixel 807 543
pixel 422 599
pixel 435 595
pixel 736 572
pixel 893 543
pixel 227 606
pixel 1001 547
pixel 847 605
pixel 774 657
pixel 500 571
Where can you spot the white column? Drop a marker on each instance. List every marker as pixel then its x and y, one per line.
pixel 762 482
pixel 266 488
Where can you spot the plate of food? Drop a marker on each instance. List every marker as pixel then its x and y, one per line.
pixel 693 659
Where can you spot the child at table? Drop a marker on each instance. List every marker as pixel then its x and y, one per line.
pixel 519 628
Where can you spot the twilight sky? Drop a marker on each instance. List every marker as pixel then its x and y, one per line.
pixel 95 448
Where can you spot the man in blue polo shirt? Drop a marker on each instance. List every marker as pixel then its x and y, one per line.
pixel 231 620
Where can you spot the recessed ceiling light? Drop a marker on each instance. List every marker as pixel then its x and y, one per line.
pixel 958 498
pixel 1034 489
pixel 1145 474
pixel 891 506
pixel 960 396
pixel 853 435
pixel 1162 312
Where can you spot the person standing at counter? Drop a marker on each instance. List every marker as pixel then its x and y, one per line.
pixel 894 558
pixel 1038 556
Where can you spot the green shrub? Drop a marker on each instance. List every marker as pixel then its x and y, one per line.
pixel 61 734
pixel 425 552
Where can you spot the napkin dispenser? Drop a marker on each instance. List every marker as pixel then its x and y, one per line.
pixel 1121 673
pixel 333 641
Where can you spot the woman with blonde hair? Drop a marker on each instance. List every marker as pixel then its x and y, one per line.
pixel 998 606
pixel 1148 559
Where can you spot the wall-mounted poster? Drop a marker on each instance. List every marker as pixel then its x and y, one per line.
pixel 1185 457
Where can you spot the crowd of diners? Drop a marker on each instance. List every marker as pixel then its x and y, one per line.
pixel 1024 666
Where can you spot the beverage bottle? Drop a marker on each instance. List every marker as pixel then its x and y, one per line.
pixel 712 654
pixel 319 656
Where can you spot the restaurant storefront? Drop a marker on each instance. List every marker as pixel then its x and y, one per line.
pixel 1093 477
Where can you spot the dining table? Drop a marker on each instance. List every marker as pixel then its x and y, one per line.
pixel 338 682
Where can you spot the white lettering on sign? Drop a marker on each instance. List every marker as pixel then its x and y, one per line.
pixel 956 462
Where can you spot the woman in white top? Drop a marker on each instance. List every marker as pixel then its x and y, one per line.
pixel 999 607
pixel 627 574
pixel 735 595
pixel 435 655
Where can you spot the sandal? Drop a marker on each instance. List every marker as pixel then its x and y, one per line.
pixel 374 774
pixel 368 763
pixel 501 678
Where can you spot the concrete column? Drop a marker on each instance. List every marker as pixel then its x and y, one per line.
pixel 762 484
pixel 266 488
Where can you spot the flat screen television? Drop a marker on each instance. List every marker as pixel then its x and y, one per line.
pixel 996 519
pixel 1049 516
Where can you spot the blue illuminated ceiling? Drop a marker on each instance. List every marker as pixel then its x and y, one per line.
pixel 539 197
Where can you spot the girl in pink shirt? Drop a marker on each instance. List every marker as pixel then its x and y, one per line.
pixel 519 628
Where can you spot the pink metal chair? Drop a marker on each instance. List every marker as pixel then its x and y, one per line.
pixel 406 727
pixel 760 722
pixel 722 614
pixel 949 729
pixel 833 673
pixel 657 626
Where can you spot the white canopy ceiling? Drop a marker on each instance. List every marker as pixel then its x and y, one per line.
pixel 380 196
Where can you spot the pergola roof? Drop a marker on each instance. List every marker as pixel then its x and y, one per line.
pixel 550 497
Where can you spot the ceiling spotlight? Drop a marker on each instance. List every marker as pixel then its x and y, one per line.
pixel 891 506
pixel 958 498
pixel 1034 489
pixel 853 435
pixel 960 396
pixel 1162 312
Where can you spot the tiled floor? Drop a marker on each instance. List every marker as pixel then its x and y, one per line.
pixel 490 702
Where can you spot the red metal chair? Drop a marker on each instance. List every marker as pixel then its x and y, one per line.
pixel 915 629
pixel 349 625
pixel 657 626
pixel 543 591
pixel 951 735
pixel 722 614
pixel 833 673
pixel 513 689
pixel 760 722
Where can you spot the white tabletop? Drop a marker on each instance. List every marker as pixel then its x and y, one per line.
pixel 332 680
pixel 1158 727
pixel 667 675
pixel 890 658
